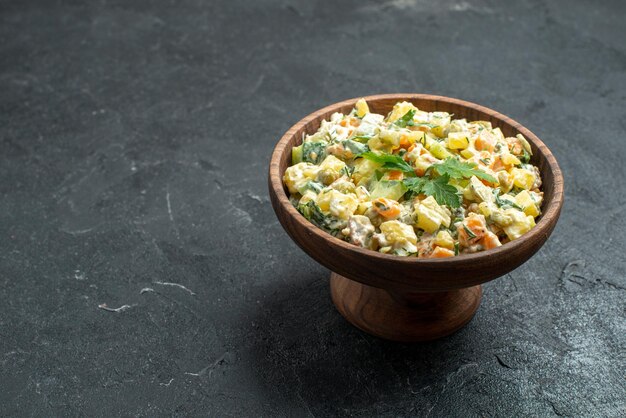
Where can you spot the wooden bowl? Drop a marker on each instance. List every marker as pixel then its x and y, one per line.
pixel 405 298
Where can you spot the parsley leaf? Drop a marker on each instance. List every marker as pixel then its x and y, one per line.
pixel 457 170
pixel 444 193
pixel 415 185
pixel 406 120
pixel 389 161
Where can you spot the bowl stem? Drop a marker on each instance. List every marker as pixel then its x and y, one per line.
pixel 401 316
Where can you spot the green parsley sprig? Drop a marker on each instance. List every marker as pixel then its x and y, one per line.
pixel 438 187
pixel 389 161
pixel 458 170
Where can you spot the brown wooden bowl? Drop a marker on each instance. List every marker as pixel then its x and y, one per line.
pixel 405 298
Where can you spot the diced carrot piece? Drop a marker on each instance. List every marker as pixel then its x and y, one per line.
pixel 395 175
pixel 490 240
pixel 483 144
pixel 386 208
pixel 343 123
pixel 411 148
pixel 476 230
pixel 354 122
pixel 474 222
pixel 404 142
pixel 497 164
pixel 440 252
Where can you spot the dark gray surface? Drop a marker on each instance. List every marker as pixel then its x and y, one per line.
pixel 135 139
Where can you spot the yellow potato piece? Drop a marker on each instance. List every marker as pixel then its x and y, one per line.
pixel 362 108
pixel 526 202
pixel 522 178
pixel 430 216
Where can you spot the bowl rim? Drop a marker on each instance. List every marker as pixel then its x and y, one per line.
pixel 551 209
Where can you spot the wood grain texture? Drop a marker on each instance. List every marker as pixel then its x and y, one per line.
pixel 404 317
pixel 408 275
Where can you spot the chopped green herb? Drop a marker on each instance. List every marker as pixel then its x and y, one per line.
pixel 313 213
pixel 389 161
pixel 313 152
pixel 347 170
pixel 415 185
pixel 456 248
pixel 444 193
pixel 406 120
pixel 314 185
pixel 457 170
pixel 469 232
pixel 525 158
pixel 505 203
pixel 355 147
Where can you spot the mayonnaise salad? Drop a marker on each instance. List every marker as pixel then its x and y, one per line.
pixel 415 183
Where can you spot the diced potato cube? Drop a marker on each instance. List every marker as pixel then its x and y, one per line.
pixel 330 169
pixel 444 239
pixel 510 159
pixel 526 202
pixel 483 123
pixel 369 124
pixel 338 204
pixel 458 125
pixel 430 216
pixel 398 231
pixel 397 235
pixel 441 120
pixel 486 208
pixel 501 217
pixel 439 151
pixel 458 140
pixel 363 207
pixel 478 192
pixel 364 170
pixel 525 143
pixel 399 110
pixel 498 133
pixel 423 162
pixel 307 197
pixel 522 178
pixel 505 181
pixel 468 154
pixel 521 224
pixel 389 137
pixel 297 176
pixel 332 163
pixel 361 108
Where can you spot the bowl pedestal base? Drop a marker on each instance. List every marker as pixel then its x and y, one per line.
pixel 402 316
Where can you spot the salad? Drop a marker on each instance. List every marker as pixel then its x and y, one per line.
pixel 415 183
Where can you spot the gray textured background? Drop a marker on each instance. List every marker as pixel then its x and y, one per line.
pixel 135 138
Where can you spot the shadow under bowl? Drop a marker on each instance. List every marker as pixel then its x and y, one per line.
pixel 406 298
